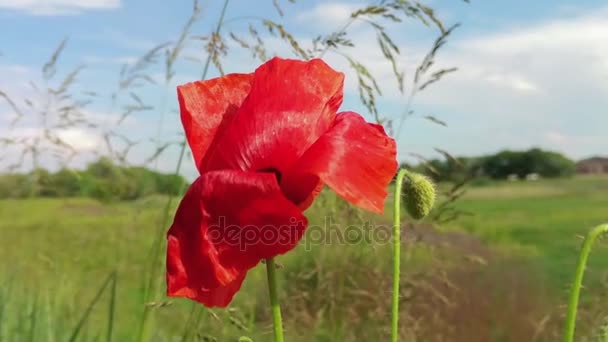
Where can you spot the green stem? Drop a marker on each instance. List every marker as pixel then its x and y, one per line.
pixel 578 280
pixel 396 254
pixel 277 322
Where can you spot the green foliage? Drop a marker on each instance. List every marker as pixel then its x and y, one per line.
pixel 65 183
pixel 546 164
pixel 15 185
pixel 452 169
pixel 102 180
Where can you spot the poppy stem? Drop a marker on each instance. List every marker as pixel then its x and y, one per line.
pixel 578 280
pixel 396 254
pixel 277 321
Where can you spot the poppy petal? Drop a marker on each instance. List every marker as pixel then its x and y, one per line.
pixel 290 105
pixel 354 158
pixel 181 284
pixel 307 202
pixel 301 188
pixel 227 222
pixel 205 106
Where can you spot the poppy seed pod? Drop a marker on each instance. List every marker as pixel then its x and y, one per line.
pixel 418 195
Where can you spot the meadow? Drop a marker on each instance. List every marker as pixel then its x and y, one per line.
pixel 72 269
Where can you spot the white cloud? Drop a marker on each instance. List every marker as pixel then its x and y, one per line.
pixel 573 144
pixel 512 87
pixel 329 14
pixel 58 7
pixel 80 139
pixel 82 145
pixel 542 85
pixel 506 79
pixel 86 142
pixel 16 78
pixel 538 85
pixel 62 138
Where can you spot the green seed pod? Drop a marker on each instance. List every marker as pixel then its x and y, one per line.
pixel 418 195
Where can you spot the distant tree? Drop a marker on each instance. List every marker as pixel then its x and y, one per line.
pixel 103 168
pixel 501 165
pixel 169 184
pixel 455 170
pixel 551 164
pixel 41 183
pixel 101 179
pixel 521 163
pixel 65 183
pixel 144 179
pixel 15 185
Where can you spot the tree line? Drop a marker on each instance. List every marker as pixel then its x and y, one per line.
pixel 106 181
pixel 502 165
pixel 102 180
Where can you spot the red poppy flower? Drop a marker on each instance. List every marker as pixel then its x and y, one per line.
pixel 264 144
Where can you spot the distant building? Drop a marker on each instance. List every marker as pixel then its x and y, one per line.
pixel 593 165
pixel 532 176
pixel 512 177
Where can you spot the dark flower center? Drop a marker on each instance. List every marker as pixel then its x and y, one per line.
pixel 276 172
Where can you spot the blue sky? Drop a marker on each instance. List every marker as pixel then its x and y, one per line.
pixel 531 73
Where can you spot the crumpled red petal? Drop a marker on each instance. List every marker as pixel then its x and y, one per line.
pixel 301 188
pixel 205 106
pixel 227 222
pixel 180 282
pixel 290 105
pixel 354 158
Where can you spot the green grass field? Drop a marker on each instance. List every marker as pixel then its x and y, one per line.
pixel 542 221
pixel 504 280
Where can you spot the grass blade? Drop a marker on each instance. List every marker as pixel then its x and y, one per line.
pixel 111 309
pixel 90 307
pixel 3 301
pixel 33 314
pixel 5 294
pixel 50 325
pixel 187 326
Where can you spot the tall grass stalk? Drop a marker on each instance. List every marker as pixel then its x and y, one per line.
pixel 33 317
pixel 578 280
pixel 111 309
pixel 4 296
pixel 153 282
pixel 85 316
pixel 191 318
pixel 50 322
